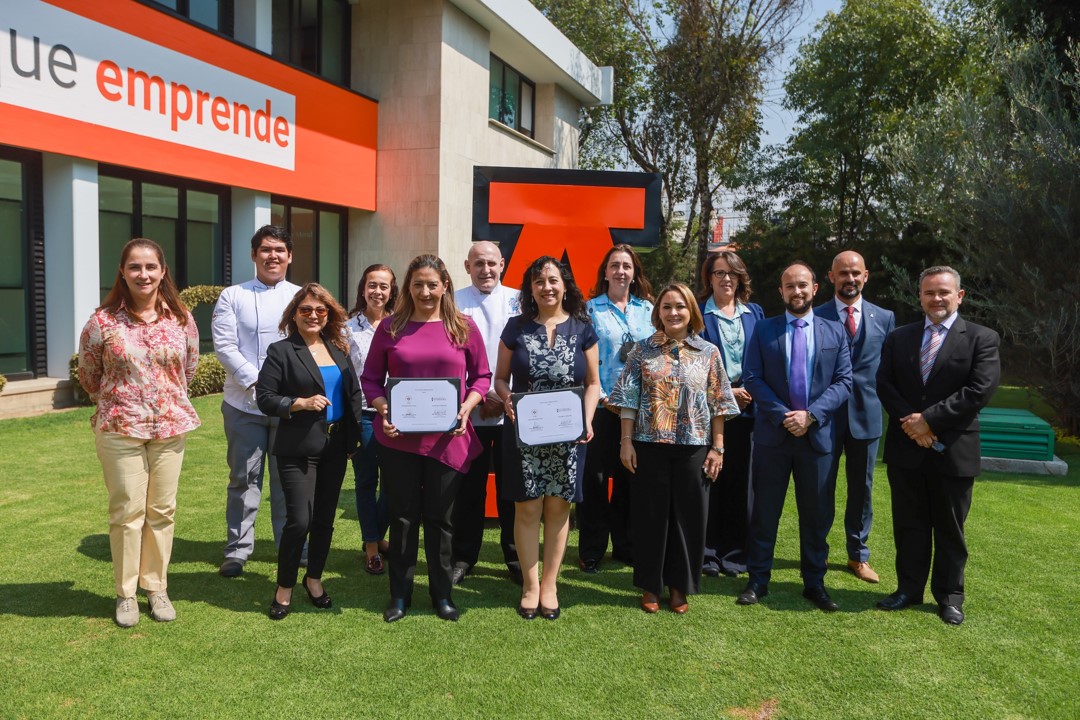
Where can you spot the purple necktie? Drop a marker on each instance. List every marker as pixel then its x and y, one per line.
pixel 930 351
pixel 797 380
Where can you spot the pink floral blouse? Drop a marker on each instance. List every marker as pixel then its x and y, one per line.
pixel 138 374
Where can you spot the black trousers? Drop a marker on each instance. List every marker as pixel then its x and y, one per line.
pixel 418 489
pixel 730 501
pixel 596 516
pixel 670 509
pixel 311 486
pixel 929 511
pixel 471 500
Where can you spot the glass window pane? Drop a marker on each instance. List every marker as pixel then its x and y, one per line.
pixel 116 225
pixel 11 180
pixel 330 252
pixel 205 12
pixel 13 331
pixel 171 4
pixel 204 241
pixel 307 32
pixel 527 108
pixel 302 230
pixel 277 214
pixel 335 21
pixel 495 88
pixel 161 210
pixel 510 99
pixel 281 30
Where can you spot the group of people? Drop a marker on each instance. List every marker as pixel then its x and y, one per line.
pixel 697 412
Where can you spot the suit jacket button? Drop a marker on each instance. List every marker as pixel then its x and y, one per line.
pixel 923 397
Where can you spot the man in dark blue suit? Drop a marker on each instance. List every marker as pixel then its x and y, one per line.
pixel 857 426
pixel 798 370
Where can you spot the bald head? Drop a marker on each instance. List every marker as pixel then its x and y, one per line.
pixel 848 275
pixel 484 265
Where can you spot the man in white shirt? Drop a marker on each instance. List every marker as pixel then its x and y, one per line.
pixel 490 304
pixel 245 323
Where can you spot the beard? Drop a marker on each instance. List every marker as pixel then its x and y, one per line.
pixel 849 291
pixel 798 306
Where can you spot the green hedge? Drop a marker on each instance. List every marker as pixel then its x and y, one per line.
pixel 3 383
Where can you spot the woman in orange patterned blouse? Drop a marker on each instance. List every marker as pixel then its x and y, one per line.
pixel 137 354
pixel 673 396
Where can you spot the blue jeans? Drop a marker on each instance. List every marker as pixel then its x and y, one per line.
pixel 372 512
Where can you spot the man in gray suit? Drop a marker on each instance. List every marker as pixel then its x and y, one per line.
pixel 857 425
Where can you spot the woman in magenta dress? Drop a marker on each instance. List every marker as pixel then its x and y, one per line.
pixel 427 338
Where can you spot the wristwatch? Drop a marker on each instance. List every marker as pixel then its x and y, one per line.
pixel 718 450
pixel 811 416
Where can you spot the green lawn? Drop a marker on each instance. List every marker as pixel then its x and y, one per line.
pixel 1017 656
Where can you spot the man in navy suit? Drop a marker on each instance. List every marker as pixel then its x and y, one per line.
pixel 798 370
pixel 857 426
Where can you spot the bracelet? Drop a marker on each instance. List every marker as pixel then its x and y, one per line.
pixel 626 437
pixel 717 450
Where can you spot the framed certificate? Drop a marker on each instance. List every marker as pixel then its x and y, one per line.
pixel 549 416
pixel 424 405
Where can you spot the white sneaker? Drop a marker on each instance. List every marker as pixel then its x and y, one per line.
pixel 127 611
pixel 161 609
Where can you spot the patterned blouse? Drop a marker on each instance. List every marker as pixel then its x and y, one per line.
pixel 676 388
pixel 138 374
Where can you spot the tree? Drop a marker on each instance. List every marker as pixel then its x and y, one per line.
pixel 689 79
pixel 993 167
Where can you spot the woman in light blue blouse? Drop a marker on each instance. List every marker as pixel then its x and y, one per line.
pixel 730 318
pixel 673 396
pixel 621 311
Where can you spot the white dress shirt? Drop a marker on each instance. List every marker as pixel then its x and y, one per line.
pixel 246 319
pixel 841 312
pixel 490 312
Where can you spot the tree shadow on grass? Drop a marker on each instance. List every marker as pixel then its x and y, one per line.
pixel 52 599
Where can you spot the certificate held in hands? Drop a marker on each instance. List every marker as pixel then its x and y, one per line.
pixel 550 416
pixel 424 405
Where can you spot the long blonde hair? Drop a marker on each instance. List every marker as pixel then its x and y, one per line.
pixel 453 321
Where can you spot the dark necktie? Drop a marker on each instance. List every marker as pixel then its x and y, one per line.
pixel 930 352
pixel 851 328
pixel 797 379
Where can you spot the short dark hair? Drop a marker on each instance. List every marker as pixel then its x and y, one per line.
pixel 271 231
pixel 793 263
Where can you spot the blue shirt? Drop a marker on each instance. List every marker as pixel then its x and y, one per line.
pixel 614 328
pixel 335 392
pixel 732 336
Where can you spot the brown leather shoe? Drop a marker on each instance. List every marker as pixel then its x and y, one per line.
pixel 678 603
pixel 863 571
pixel 650 603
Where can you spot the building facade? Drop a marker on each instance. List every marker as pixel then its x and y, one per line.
pixel 354 123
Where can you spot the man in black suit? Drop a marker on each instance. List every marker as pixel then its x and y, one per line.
pixel 798 370
pixel 934 378
pixel 857 426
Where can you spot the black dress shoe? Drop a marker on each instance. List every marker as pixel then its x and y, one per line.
pixel 550 613
pixel 458 573
pixel 277 610
pixel 445 610
pixel 751 594
pixel 394 611
pixel 515 575
pixel 819 597
pixel 950 614
pixel 323 601
pixel 527 613
pixel 728 572
pixel 711 570
pixel 231 568
pixel 589 567
pixel 898 601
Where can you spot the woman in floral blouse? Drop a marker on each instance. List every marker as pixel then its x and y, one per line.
pixel 550 346
pixel 673 397
pixel 137 354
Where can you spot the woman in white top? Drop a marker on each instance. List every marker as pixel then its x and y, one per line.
pixel 375 298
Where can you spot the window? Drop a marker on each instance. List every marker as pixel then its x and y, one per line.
pixel 313 35
pixel 512 97
pixel 186 218
pixel 214 14
pixel 318 235
pixel 22 268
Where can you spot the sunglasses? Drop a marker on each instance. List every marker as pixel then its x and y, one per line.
pixel 318 311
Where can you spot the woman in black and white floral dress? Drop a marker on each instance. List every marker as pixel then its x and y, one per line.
pixel 550 346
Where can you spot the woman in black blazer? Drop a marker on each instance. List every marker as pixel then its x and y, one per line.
pixel 309 382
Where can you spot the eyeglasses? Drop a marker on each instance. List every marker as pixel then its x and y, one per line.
pixel 721 274
pixel 319 311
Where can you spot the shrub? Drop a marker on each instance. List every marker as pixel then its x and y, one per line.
pixel 200 295
pixel 209 377
pixel 80 395
pixel 3 382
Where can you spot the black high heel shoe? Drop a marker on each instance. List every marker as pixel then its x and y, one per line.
pixel 323 601
pixel 527 613
pixel 550 613
pixel 277 610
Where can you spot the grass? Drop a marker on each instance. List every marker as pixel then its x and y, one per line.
pixel 1017 656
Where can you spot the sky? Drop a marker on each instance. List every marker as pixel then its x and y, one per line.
pixel 777 122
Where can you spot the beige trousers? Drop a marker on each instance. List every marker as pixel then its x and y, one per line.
pixel 141 477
